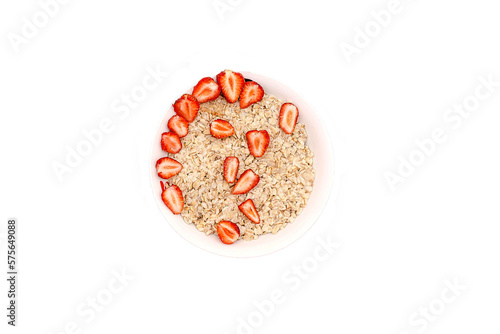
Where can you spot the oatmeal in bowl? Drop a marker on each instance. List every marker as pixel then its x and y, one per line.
pixel 234 161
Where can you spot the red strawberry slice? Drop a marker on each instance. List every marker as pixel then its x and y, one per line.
pixel 252 92
pixel 288 117
pixel 172 197
pixel 246 182
pixel 170 142
pixel 231 84
pixel 231 165
pixel 228 232
pixel 249 210
pixel 179 125
pixel 257 142
pixel 206 90
pixel 164 184
pixel 221 129
pixel 167 167
pixel 187 106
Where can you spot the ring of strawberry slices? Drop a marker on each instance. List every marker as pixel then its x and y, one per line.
pixel 233 86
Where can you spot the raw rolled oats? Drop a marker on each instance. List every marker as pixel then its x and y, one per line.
pixel 286 169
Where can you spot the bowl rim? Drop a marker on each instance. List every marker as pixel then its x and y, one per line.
pixel 229 252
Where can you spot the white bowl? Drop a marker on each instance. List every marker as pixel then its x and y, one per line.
pixel 319 143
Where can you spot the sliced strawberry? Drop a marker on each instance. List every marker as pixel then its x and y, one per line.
pixel 187 106
pixel 257 142
pixel 221 129
pixel 246 182
pixel 164 184
pixel 252 92
pixel 172 197
pixel 228 232
pixel 249 210
pixel 231 84
pixel 167 167
pixel 288 117
pixel 179 125
pixel 231 165
pixel 206 90
pixel 170 142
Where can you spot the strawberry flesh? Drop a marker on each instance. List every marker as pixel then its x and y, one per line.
pixel 228 232
pixel 231 84
pixel 252 92
pixel 221 129
pixel 257 142
pixel 167 167
pixel 288 117
pixel 247 181
pixel 249 210
pixel 170 142
pixel 206 90
pixel 187 106
pixel 179 125
pixel 231 165
pixel 172 197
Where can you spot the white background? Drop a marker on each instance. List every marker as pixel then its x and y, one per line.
pixel 397 247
